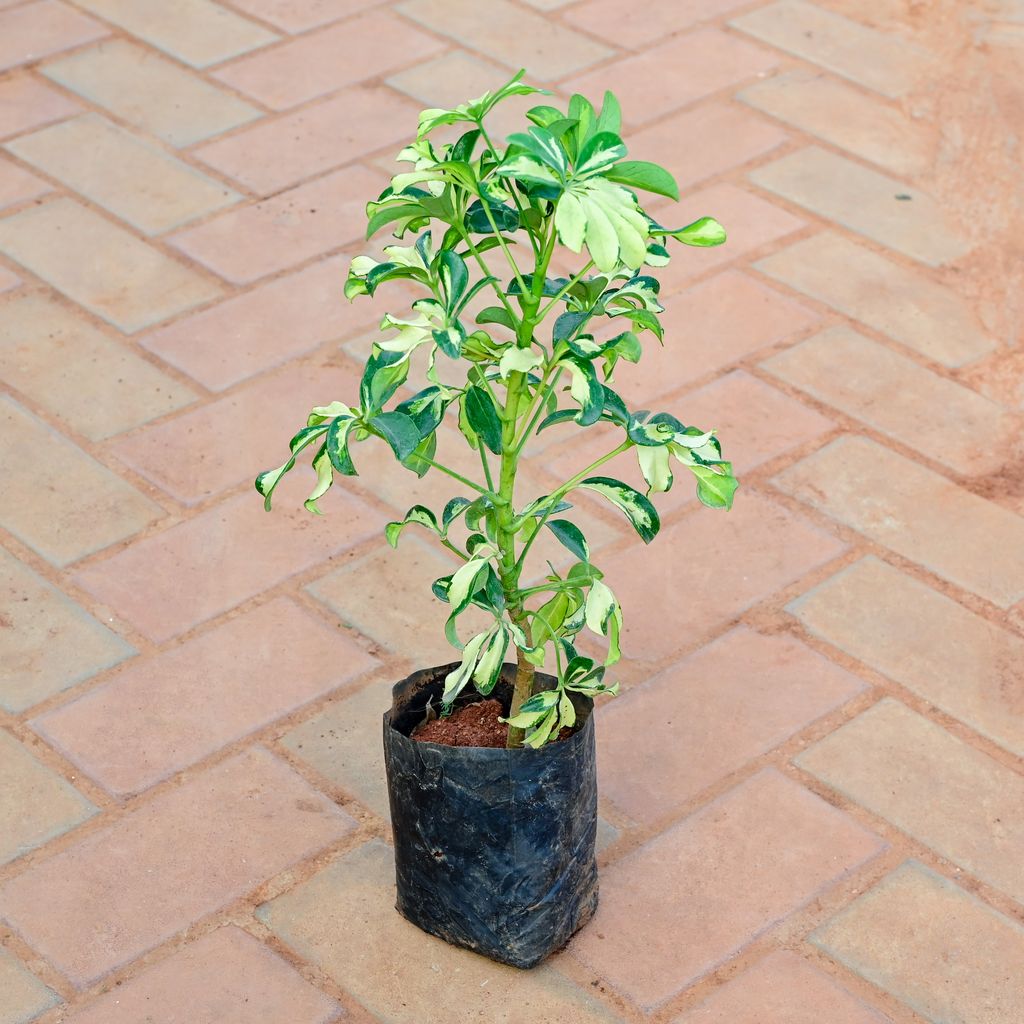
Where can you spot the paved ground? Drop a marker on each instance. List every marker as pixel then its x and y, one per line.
pixel 811 790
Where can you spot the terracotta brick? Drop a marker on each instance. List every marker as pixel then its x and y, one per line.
pixel 174 580
pixel 126 175
pixel 8 281
pixel 253 241
pixel 101 266
pixel 898 397
pixel 620 26
pixel 281 152
pixel 893 761
pixel 262 328
pixel 514 36
pixel 386 596
pixel 127 888
pixel 698 893
pixel 323 61
pixel 721 563
pixel 226 977
pixel 17 185
pixel 914 511
pixel 964 664
pixel 299 15
pixel 708 327
pixel 751 223
pixel 704 142
pixel 197 32
pixel 845 117
pixel 676 73
pixel 98 386
pixel 886 63
pixel 941 951
pixel 72 508
pixel 37 30
pixel 27 103
pixel 22 995
pixel 151 93
pixel 755 423
pixel 343 920
pixel 343 744
pixel 47 642
pixel 782 988
pixel 664 742
pixel 162 714
pixel 215 446
pixel 36 804
pixel 888 211
pixel 902 303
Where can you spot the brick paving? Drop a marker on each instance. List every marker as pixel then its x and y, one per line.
pixel 812 787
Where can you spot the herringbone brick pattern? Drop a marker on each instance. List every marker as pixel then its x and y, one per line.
pixel 813 798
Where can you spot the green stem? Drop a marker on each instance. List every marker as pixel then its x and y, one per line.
pixel 495 284
pixel 487 467
pixel 540 398
pixel 557 298
pixel 504 247
pixel 557 495
pixel 459 477
pixel 511 188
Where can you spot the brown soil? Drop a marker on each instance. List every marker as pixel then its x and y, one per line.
pixel 474 725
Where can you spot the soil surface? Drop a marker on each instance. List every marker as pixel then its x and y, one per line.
pixel 474 725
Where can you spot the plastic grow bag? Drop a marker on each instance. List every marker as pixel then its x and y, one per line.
pixel 494 848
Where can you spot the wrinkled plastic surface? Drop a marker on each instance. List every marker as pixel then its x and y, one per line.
pixel 494 848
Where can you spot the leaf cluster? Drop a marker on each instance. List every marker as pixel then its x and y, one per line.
pixel 543 351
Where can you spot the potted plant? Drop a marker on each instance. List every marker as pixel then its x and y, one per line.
pixel 494 845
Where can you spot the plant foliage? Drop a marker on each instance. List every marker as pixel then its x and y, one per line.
pixel 543 352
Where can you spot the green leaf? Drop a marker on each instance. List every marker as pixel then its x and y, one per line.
pixel 506 217
pixel 519 360
pixel 465 581
pixel 638 509
pixel 703 232
pixel 384 374
pixel 571 537
pixel 600 605
pixel 644 175
pixel 398 430
pixel 571 221
pixel 419 514
pixel 496 315
pixel 453 510
pixel 324 479
pixel 598 153
pixel 426 408
pixel 336 443
pixel 715 489
pixel 544 147
pixel 419 461
pixel 483 417
pixel 267 482
pixel 454 277
pixel 455 681
pixel 610 118
pixel 586 389
pixel 655 466
pixel 492 657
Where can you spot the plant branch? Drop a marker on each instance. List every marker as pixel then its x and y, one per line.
pixel 557 298
pixel 556 496
pixel 458 476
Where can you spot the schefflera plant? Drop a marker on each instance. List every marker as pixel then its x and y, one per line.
pixel 564 180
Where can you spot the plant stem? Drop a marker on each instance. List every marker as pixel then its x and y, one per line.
pixel 557 495
pixel 555 298
pixel 459 477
